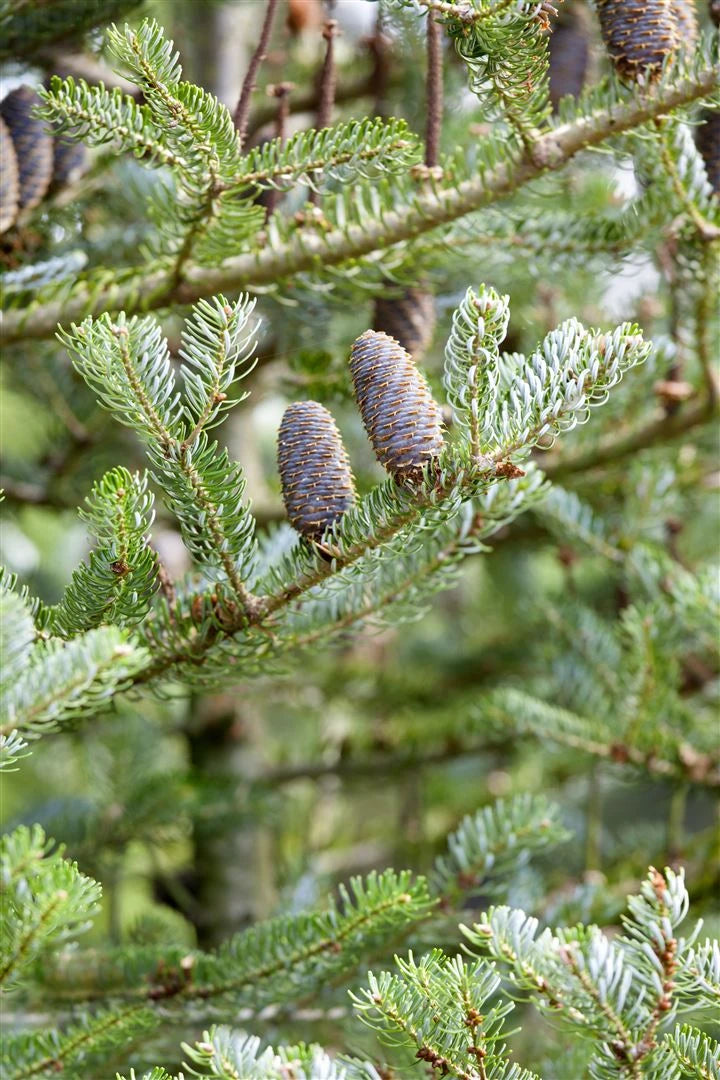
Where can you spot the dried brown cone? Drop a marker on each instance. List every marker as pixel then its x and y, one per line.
pixel 401 417
pixel 9 186
pixel 639 35
pixel 409 318
pixel 568 57
pixel 708 142
pixel 317 482
pixel 33 145
pixel 69 161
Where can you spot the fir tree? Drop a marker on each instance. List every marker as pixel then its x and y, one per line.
pixel 561 451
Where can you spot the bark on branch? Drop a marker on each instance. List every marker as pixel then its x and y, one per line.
pixel 140 290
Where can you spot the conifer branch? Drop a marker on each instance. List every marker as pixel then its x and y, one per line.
pixel 288 955
pixel 65 1048
pixel 132 290
pixel 608 450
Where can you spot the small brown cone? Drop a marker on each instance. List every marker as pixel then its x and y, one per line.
pixel 69 161
pixel 639 35
pixel 403 421
pixel 409 318
pixel 568 57
pixel 33 145
pixel 708 142
pixel 317 482
pixel 9 186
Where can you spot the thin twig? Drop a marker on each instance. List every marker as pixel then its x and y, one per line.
pixel 328 77
pixel 242 109
pixel 707 301
pixel 281 92
pixel 379 46
pixel 434 99
pixel 306 101
pixel 326 88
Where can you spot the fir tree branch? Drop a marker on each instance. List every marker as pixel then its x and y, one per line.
pixel 465 12
pixel 133 290
pixel 611 449
pixel 287 955
pixel 100 1030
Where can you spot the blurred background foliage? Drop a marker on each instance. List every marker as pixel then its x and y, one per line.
pixel 200 814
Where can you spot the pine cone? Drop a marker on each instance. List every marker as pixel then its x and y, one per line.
pixel 398 411
pixel 409 318
pixel 9 187
pixel 639 35
pixel 33 145
pixel 715 11
pixel 317 482
pixel 568 59
pixel 708 142
pixel 69 161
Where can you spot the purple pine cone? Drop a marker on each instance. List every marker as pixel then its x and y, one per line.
pixel 400 415
pixel 317 482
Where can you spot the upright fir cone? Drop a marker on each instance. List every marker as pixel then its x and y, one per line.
pixel 568 57
pixel 409 318
pixel 33 145
pixel 708 142
pixel 9 187
pixel 639 35
pixel 399 413
pixel 317 482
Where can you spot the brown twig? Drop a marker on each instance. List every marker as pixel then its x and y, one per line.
pixel 306 101
pixel 281 92
pixel 328 77
pixel 434 99
pixel 327 84
pixel 242 109
pixel 379 46
pixel 167 584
